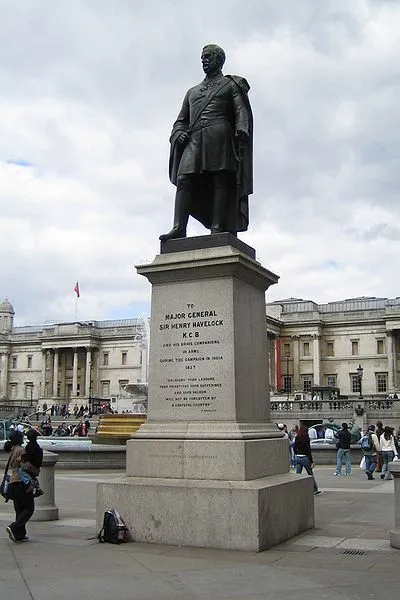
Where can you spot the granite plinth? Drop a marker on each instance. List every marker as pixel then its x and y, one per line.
pixel 237 460
pixel 209 468
pixel 250 516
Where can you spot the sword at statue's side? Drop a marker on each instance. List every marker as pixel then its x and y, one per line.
pixel 239 147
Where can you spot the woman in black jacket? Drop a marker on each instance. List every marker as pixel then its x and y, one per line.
pixel 20 492
pixel 302 450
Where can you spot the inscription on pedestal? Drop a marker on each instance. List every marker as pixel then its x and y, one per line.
pixel 192 349
pixel 192 359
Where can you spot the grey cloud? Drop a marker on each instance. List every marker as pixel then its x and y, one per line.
pixel 382 230
pixel 90 91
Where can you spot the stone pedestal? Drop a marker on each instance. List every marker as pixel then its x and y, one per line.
pixel 45 507
pixel 209 468
pixel 395 532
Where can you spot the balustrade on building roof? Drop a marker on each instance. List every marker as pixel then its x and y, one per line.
pixel 362 303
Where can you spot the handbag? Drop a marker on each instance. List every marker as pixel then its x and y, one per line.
pixel 4 485
pixel 363 464
pixel 29 468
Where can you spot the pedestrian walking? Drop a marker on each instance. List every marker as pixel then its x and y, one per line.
pixel 388 449
pixel 343 450
pixel 303 455
pixel 18 491
pixel 370 449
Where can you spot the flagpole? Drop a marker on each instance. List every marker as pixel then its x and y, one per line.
pixel 76 290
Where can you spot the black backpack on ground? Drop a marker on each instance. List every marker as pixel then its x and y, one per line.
pixel 114 530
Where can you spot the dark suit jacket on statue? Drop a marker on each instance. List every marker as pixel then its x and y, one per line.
pixel 211 113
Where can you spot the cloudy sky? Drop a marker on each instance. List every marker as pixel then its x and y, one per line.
pixel 89 91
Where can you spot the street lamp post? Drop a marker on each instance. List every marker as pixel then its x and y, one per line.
pixel 90 386
pixel 287 377
pixel 360 371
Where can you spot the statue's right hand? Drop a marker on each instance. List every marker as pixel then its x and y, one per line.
pixel 182 138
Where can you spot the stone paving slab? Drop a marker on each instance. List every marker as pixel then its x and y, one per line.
pixel 64 560
pixel 320 541
pixel 365 544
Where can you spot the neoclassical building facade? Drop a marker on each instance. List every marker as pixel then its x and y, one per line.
pixel 309 344
pixel 68 363
pixel 314 344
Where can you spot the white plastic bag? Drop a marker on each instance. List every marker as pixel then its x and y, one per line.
pixel 363 464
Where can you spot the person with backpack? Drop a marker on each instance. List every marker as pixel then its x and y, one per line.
pixel 370 449
pixel 343 450
pixel 389 451
pixel 30 464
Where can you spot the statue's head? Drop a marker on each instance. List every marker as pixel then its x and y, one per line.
pixel 213 58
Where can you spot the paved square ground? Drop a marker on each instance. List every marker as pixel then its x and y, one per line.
pixel 347 555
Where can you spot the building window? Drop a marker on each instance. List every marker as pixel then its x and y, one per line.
pixel 286 349
pixel 105 389
pixel 381 382
pixel 13 390
pixel 331 380
pixel 29 391
pixel 29 362
pixel 380 346
pixel 123 383
pixel 354 348
pixel 307 383
pixel 306 348
pixel 287 383
pixel 330 349
pixel 355 383
pixel 14 362
pixel 123 357
pixel 105 359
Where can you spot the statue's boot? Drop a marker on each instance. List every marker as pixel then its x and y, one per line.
pixel 181 217
pixel 176 232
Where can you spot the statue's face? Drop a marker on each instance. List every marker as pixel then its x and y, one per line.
pixel 210 62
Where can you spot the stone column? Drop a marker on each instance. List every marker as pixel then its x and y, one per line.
pixel 272 362
pixel 43 382
pixel 316 359
pixel 55 374
pixel 4 374
pixel 395 532
pixel 296 362
pixel 75 373
pixel 391 353
pixel 88 371
pixel 143 358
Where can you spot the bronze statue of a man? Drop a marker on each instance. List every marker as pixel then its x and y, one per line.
pixel 211 158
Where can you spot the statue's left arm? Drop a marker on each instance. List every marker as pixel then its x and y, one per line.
pixel 241 113
pixel 243 118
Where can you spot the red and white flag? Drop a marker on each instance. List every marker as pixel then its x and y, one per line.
pixel 76 289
